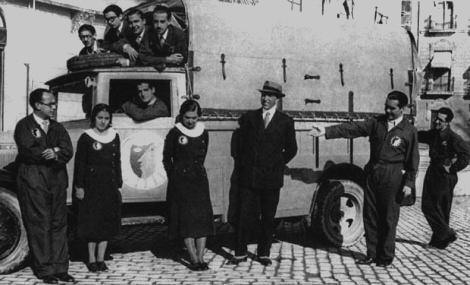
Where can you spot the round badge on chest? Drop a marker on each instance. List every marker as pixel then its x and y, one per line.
pixel 36 133
pixel 396 141
pixel 97 146
pixel 183 140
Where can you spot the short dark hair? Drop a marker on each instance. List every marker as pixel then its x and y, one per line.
pixel 448 112
pixel 162 9
pixel 113 8
pixel 36 96
pixel 87 27
pixel 400 96
pixel 134 11
pixel 98 108
pixel 190 106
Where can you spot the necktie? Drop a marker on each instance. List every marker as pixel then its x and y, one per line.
pixel 162 41
pixel 266 120
pixel 45 125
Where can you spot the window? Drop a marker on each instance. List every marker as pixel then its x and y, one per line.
pixel 442 19
pixel 71 106
pixel 123 90
pixel 438 78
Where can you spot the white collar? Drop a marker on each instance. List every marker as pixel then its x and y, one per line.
pixel 105 137
pixel 120 26
pixel 141 35
pixel 271 111
pixel 39 120
pixel 165 34
pixel 396 121
pixel 194 133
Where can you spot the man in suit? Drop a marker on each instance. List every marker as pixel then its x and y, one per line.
pixel 391 172
pixel 44 148
pixel 167 43
pixel 114 30
pixel 449 154
pixel 267 143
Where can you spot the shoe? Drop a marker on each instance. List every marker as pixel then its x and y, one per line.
pixel 64 277
pixel 101 266
pixel 204 266
pixel 383 263
pixel 49 279
pixel 236 260
pixel 266 261
pixel 446 242
pixel 365 260
pixel 194 266
pixel 92 266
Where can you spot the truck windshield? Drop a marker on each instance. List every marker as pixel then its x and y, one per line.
pixel 125 90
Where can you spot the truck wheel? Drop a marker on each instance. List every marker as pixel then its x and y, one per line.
pixel 337 214
pixel 13 241
pixel 92 60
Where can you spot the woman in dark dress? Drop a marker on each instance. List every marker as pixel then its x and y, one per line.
pixel 97 180
pixel 188 188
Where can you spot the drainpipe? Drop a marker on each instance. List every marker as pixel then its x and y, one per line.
pixel 27 87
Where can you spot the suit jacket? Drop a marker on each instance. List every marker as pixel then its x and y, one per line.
pixel 263 153
pixel 112 38
pixel 153 53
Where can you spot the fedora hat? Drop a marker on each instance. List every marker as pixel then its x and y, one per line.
pixel 272 88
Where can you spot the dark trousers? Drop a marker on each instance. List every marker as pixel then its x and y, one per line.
pixel 438 192
pixel 382 210
pixel 256 220
pixel 42 197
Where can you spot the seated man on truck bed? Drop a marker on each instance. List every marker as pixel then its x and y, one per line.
pixel 145 106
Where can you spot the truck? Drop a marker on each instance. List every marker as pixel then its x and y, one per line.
pixel 332 70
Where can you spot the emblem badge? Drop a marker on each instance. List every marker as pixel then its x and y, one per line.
pixel 396 141
pixel 36 133
pixel 183 140
pixel 444 143
pixel 97 146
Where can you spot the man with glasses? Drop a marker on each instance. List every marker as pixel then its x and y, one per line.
pixel 87 35
pixel 449 154
pixel 391 173
pixel 44 148
pixel 114 29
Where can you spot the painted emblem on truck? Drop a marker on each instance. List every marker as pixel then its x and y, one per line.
pixel 141 160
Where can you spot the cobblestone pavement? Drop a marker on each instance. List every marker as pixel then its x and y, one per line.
pixel 141 255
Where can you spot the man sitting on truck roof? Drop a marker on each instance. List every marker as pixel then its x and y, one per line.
pixel 114 30
pixel 146 105
pixel 167 43
pixel 134 38
pixel 87 34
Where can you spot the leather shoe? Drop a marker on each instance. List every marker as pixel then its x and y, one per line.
pixel 445 243
pixel 92 266
pixel 49 279
pixel 236 260
pixel 204 266
pixel 383 263
pixel 64 277
pixel 266 261
pixel 366 260
pixel 101 266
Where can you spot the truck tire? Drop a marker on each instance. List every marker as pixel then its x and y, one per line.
pixel 13 240
pixel 337 213
pixel 81 62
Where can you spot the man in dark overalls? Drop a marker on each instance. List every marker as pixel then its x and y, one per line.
pixel 44 148
pixel 449 154
pixel 391 172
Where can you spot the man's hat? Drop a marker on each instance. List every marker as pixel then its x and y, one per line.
pixel 272 88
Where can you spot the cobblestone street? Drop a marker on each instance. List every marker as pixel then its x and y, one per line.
pixel 141 255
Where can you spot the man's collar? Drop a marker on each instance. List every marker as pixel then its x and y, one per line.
pixel 165 34
pixel 271 111
pixel 38 119
pixel 151 102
